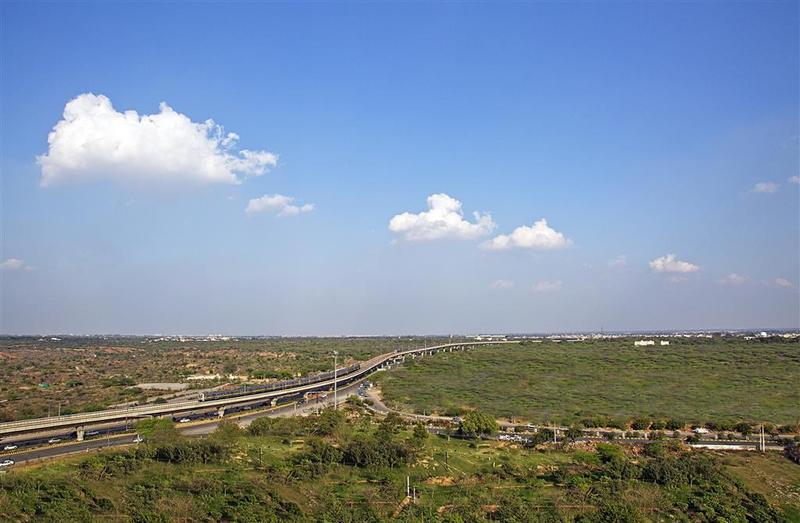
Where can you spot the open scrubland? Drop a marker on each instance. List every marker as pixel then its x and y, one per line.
pixel 349 466
pixel 40 375
pixel 719 381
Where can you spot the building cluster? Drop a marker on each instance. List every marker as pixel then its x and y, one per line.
pixel 646 343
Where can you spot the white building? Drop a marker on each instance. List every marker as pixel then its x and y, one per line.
pixel 664 342
pixel 643 343
pixel 199 377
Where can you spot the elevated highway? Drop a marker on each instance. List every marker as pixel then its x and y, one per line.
pixel 79 422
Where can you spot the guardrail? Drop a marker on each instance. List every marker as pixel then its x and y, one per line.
pixel 75 420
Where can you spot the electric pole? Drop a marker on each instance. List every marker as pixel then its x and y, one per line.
pixel 335 402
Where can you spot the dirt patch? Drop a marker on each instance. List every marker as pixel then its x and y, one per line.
pixel 441 481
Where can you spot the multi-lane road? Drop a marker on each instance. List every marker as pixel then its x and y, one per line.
pixel 197 427
pixel 81 422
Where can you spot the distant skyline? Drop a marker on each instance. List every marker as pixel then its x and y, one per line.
pixel 334 169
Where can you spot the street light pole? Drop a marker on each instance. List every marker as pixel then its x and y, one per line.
pixel 335 402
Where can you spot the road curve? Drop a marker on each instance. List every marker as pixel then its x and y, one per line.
pixel 84 419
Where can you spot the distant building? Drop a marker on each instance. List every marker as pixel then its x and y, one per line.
pixel 200 377
pixel 643 343
pixel 664 342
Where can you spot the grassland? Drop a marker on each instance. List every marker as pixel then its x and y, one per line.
pixel 691 380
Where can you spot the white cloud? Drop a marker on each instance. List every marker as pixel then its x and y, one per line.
pixel 783 282
pixel 794 179
pixel 277 204
pixel 538 236
pixel 12 264
pixel 733 279
pixel 502 284
pixel 546 286
pixel 443 219
pixel 765 188
pixel 619 261
pixel 670 264
pixel 96 142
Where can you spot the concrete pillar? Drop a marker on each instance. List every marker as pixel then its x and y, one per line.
pixel 80 432
pixel 220 411
pixel 274 402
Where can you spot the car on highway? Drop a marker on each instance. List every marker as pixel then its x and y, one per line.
pixel 93 433
pixel 6 463
pixel 10 447
pixel 184 420
pixel 53 440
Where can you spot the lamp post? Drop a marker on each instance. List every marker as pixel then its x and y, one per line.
pixel 335 402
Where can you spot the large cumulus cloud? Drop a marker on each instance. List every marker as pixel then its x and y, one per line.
pixel 94 141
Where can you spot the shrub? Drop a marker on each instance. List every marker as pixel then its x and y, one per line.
pixel 674 424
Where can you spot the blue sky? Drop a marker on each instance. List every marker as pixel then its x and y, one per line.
pixel 636 130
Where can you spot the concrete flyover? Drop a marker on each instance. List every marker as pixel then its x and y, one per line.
pixel 79 422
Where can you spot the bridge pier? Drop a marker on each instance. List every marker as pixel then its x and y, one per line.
pixel 220 412
pixel 273 402
pixel 80 432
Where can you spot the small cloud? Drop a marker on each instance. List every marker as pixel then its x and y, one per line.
pixel 619 261
pixel 783 282
pixel 546 286
pixel 443 219
pixel 277 204
pixel 13 264
pixel 538 236
pixel 733 279
pixel 794 179
pixel 670 264
pixel 502 284
pixel 765 188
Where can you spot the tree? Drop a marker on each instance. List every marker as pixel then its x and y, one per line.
pixel 157 431
pixel 573 433
pixel 329 422
pixel 477 423
pixel 227 432
pixel 743 428
pixel 389 426
pixel 419 436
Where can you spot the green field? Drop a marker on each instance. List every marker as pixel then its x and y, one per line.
pixel 691 380
pixel 303 469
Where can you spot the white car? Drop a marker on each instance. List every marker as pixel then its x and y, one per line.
pixel 6 463
pixel 138 439
pixel 184 420
pixel 54 440
pixel 10 447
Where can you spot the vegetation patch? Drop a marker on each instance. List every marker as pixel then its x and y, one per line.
pixel 720 380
